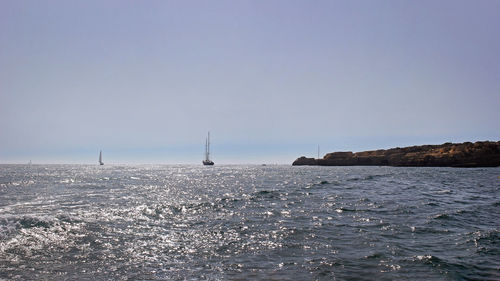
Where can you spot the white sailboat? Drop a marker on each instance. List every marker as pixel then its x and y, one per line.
pixel 207 161
pixel 100 158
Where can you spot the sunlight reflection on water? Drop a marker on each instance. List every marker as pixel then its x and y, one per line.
pixel 245 222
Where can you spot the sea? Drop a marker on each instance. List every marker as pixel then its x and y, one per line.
pixel 248 222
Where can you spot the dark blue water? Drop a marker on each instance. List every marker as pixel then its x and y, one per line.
pixel 248 222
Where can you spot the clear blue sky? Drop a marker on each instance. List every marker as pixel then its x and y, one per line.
pixel 145 80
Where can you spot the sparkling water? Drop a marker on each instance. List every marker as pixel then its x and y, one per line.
pixel 144 222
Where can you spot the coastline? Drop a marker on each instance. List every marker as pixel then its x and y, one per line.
pixel 467 154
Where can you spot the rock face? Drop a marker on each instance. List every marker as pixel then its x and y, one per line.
pixel 478 154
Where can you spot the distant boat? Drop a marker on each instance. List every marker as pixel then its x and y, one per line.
pixel 100 158
pixel 207 161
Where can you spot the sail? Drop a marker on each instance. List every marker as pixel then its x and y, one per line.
pixel 206 149
pixel 207 160
pixel 100 158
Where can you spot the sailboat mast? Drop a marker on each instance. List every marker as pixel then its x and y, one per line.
pixel 207 160
pixel 206 149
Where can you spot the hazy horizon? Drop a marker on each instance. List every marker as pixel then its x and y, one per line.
pixel 271 80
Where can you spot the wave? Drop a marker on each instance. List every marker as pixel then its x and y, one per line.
pixel 20 183
pixel 25 237
pixel 13 224
pixel 486 241
pixel 443 217
pixel 163 211
pixel 266 194
pixel 10 224
pixel 322 184
pixel 370 177
pixel 344 209
pixel 376 255
pixel 458 270
pixel 444 191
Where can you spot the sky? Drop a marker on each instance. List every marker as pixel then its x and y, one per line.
pixel 271 80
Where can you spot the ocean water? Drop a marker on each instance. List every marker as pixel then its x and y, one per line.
pixel 63 222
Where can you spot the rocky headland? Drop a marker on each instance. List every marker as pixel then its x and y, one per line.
pixel 467 154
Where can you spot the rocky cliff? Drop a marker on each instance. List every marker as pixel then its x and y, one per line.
pixel 478 154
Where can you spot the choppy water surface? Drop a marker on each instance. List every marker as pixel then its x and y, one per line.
pixel 249 222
